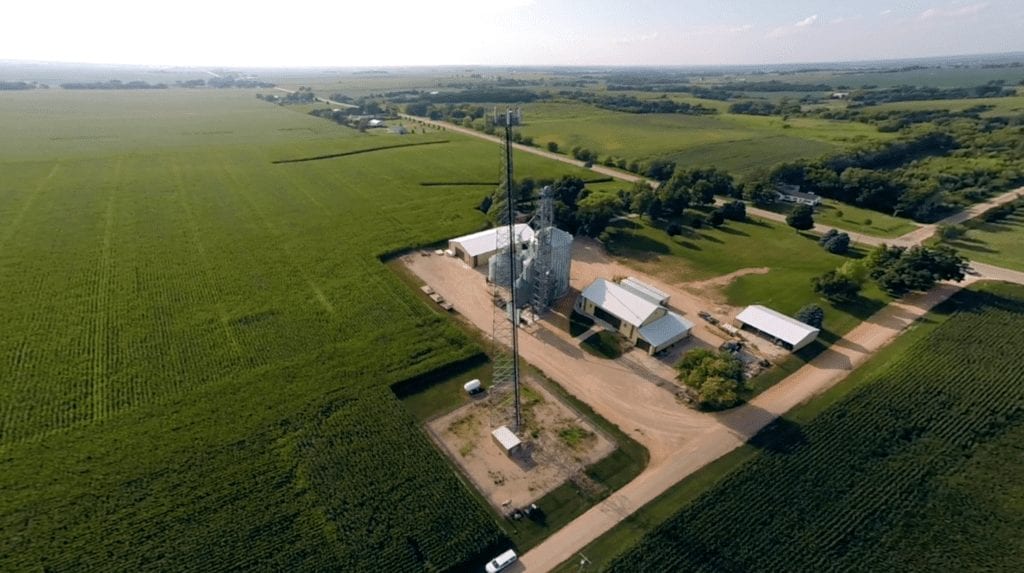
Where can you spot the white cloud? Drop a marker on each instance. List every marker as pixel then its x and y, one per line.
pixel 782 31
pixel 636 39
pixel 960 12
pixel 740 29
pixel 807 21
pixel 885 12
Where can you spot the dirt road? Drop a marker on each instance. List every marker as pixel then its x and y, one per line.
pixel 602 169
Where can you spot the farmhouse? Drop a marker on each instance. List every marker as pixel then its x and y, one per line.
pixel 637 316
pixel 478 248
pixel 785 331
pixel 793 194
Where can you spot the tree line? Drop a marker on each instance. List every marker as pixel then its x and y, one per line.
pixel 114 85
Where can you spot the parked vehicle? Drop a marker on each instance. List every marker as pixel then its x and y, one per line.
pixel 707 317
pixel 501 562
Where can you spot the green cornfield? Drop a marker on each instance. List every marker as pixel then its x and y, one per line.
pixel 917 470
pixel 197 343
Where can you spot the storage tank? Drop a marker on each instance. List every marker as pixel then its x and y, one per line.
pixel 561 261
pixel 499 271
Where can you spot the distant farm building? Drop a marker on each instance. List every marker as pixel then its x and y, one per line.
pixel 478 248
pixel 793 194
pixel 635 314
pixel 840 95
pixel 788 332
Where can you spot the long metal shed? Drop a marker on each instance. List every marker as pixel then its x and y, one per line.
pixel 790 331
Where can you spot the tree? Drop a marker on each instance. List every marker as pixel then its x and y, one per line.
pixel 835 242
pixel 899 270
pixel 801 218
pixel 762 194
pixel 735 211
pixel 595 212
pixel 673 229
pixel 836 287
pixel 655 208
pixel 717 218
pixel 714 375
pixel 552 147
pixel 660 169
pixel 703 193
pixel 717 393
pixel 811 314
pixel 641 197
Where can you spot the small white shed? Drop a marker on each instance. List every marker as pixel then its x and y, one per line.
pixel 473 386
pixel 508 441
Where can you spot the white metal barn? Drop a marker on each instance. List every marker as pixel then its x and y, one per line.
pixel 792 333
pixel 476 249
pixel 640 319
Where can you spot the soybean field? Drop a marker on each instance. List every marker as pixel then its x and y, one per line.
pixel 916 470
pixel 198 342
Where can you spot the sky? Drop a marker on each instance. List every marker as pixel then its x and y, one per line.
pixel 510 32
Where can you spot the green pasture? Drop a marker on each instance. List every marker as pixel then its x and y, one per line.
pixel 853 218
pixel 1000 243
pixel 922 439
pixel 1002 106
pixel 199 342
pixel 740 144
pixel 715 477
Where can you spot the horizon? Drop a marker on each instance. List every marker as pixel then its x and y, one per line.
pixel 939 59
pixel 558 33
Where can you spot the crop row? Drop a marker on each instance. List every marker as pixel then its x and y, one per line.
pixel 821 495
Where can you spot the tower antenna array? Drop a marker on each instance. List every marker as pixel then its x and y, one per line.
pixel 505 323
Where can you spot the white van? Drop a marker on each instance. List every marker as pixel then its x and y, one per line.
pixel 502 561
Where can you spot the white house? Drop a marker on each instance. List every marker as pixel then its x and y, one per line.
pixel 641 320
pixel 476 249
pixel 788 331
pixel 793 194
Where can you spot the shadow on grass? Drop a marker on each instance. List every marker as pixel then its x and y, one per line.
pixel 710 238
pixel 639 246
pixel 732 231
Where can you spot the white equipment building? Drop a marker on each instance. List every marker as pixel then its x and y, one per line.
pixel 476 249
pixel 784 330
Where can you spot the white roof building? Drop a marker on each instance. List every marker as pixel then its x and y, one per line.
pixel 793 333
pixel 645 290
pixel 666 330
pixel 477 248
pixel 506 439
pixel 636 316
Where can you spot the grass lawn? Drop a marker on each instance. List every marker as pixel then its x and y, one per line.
pixel 604 344
pixel 855 219
pixel 630 531
pixel 738 143
pixel 997 243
